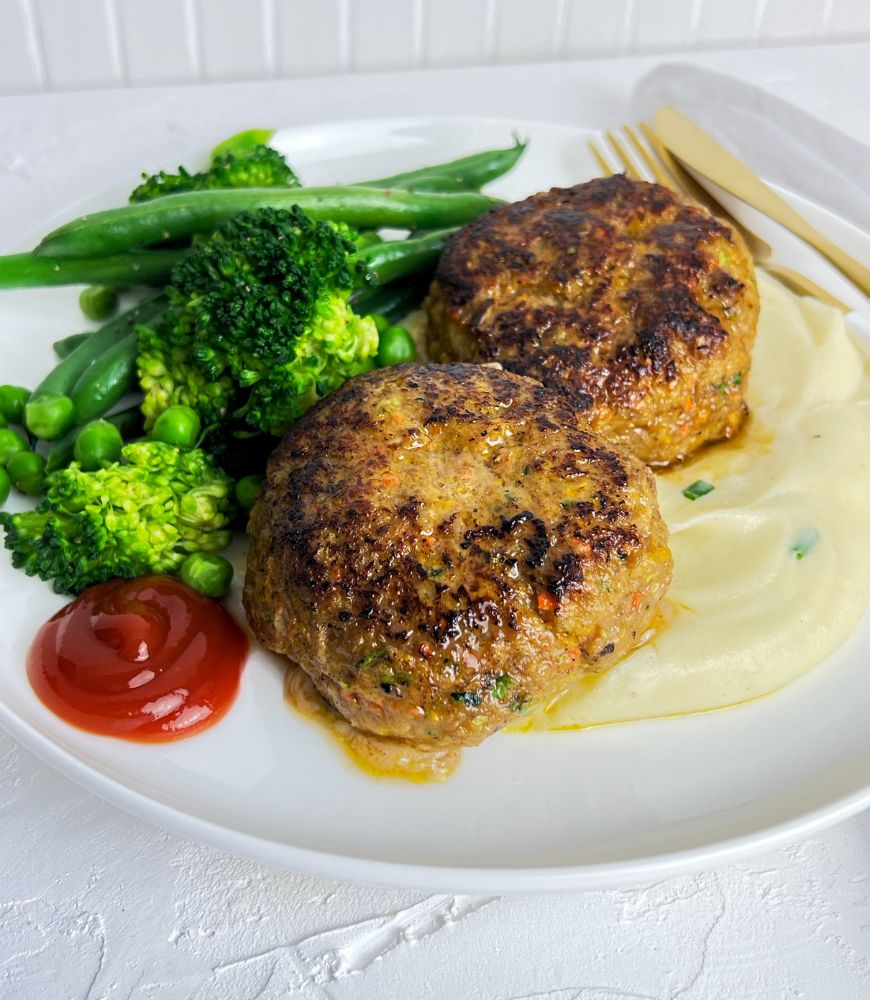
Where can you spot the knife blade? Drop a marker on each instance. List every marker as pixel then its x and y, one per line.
pixel 703 154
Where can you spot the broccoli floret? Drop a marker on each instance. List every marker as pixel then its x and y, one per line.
pixel 141 515
pixel 259 325
pixel 262 167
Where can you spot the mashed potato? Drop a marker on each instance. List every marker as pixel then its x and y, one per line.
pixel 772 568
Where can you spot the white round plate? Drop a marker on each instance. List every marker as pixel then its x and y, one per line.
pixel 603 807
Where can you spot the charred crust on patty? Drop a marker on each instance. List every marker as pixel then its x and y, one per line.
pixel 629 299
pixel 497 537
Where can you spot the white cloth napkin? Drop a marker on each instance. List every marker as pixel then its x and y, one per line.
pixel 786 146
pixel 778 140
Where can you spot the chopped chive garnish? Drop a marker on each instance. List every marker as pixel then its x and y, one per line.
pixel 375 656
pixel 726 382
pixel 806 541
pixel 700 488
pixel 500 687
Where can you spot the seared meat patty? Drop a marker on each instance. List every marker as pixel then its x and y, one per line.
pixel 440 547
pixel 633 301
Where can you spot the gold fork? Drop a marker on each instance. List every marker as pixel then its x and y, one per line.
pixel 646 159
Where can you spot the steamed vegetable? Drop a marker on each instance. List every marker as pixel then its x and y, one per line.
pixel 395 347
pixel 50 411
pixel 13 399
pixel 11 443
pixel 97 445
pixel 128 423
pixel 66 345
pixel 98 302
pixel 179 425
pixel 144 514
pixel 26 469
pixel 260 167
pixel 106 382
pixel 26 270
pixel 242 143
pixel 266 310
pixel 167 219
pixel 469 173
pixel 208 573
pixel 394 301
pixel 260 323
pixel 248 489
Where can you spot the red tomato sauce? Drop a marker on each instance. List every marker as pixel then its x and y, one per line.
pixel 149 659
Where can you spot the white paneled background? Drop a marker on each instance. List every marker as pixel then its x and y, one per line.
pixel 75 44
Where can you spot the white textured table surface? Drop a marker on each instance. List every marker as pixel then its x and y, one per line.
pixel 95 904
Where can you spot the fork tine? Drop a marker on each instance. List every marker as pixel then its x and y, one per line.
pixel 655 167
pixel 653 156
pixel 605 167
pixel 687 184
pixel 683 180
pixel 623 157
pixel 802 285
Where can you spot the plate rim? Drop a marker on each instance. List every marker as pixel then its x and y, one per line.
pixel 439 878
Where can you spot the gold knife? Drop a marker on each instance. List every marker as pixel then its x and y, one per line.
pixel 702 153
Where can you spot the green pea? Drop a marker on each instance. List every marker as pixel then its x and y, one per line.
pixel 208 573
pixel 12 400
pixel 49 417
pixel 98 444
pixel 5 486
pixel 27 472
pixel 98 302
pixel 248 489
pixel 11 443
pixel 381 323
pixel 395 346
pixel 178 425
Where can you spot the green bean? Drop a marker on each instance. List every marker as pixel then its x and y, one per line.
pixel 27 472
pixel 384 262
pixel 106 381
pixel 62 451
pixel 208 573
pixel 5 486
pixel 394 301
pixel 169 218
pixel 26 270
pixel 97 445
pixel 469 173
pixel 66 345
pixel 49 412
pixel 98 302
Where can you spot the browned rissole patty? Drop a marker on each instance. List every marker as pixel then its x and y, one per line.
pixel 440 547
pixel 634 301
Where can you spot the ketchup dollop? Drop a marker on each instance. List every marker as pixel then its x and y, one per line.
pixel 148 659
